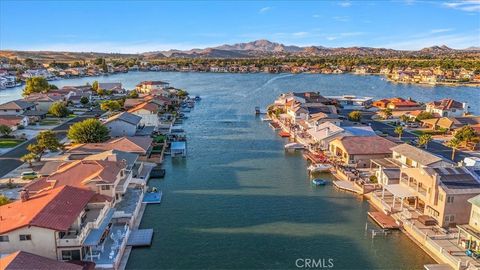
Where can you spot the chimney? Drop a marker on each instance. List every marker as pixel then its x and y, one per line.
pixel 24 195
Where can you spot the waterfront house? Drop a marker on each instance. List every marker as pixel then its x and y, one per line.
pixel 138 145
pixel 16 107
pixel 447 108
pixel 352 102
pixel 38 223
pixel 132 102
pixel 153 87
pixel 14 121
pixel 323 134
pixel 359 150
pixel 148 113
pixel 123 124
pixel 469 234
pixel 25 260
pixel 397 104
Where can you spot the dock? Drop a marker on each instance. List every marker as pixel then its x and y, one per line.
pixel 384 221
pixel 152 197
pixel 140 238
pixel 345 185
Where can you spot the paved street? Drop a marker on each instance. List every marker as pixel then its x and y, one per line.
pixel 11 160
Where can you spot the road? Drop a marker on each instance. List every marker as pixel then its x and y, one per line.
pixel 11 160
pixel 433 146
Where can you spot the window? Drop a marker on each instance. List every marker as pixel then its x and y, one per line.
pixel 440 197
pixel 25 237
pixel 4 238
pixel 449 218
pixel 68 255
pixel 105 187
pixel 450 199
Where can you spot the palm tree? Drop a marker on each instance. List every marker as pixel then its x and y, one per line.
pixel 454 144
pixel 424 139
pixel 404 118
pixel 399 130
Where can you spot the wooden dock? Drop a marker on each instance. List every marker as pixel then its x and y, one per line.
pixel 384 221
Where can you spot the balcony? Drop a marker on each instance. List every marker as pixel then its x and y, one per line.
pixel 76 237
pixel 124 182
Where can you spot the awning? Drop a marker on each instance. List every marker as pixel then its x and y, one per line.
pixel 94 236
pixel 400 191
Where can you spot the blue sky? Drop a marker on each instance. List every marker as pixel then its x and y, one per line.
pixel 139 26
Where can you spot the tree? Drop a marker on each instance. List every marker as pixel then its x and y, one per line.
pixel 58 109
pixel 37 85
pixel 465 134
pixel 46 140
pixel 101 92
pixel 4 200
pixel 133 94
pixel 110 105
pixel 355 116
pixel 387 113
pixel 424 139
pixel 454 143
pixel 29 63
pixel 399 131
pixel 30 157
pixel 424 115
pixel 5 130
pixel 84 101
pixel 88 131
pixel 95 86
pixel 182 93
pixel 404 118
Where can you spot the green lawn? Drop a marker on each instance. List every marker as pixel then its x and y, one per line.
pixel 9 143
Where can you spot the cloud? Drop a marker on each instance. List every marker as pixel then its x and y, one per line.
pixel 467 5
pixel 442 30
pixel 316 16
pixel 300 34
pixel 264 10
pixel 345 4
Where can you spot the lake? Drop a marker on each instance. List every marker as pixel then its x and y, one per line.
pixel 238 201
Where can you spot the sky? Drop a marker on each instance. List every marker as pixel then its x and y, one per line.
pixel 142 26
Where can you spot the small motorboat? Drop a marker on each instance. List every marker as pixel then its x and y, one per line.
pixel 319 182
pixel 266 119
pixel 294 146
pixel 198 98
pixel 322 167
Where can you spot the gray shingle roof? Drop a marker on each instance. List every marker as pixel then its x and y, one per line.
pixel 422 157
pixel 126 117
pixel 16 105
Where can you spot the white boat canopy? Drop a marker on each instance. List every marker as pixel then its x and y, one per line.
pixel 400 191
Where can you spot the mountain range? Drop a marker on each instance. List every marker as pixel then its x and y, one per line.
pixel 254 49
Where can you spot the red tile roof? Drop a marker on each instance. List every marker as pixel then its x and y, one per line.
pixel 79 173
pixel 56 209
pixel 21 260
pixel 10 120
pixel 446 104
pixel 137 145
pixel 361 145
pixel 148 105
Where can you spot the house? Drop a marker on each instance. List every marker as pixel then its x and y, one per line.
pixel 16 107
pixel 397 104
pixel 25 260
pixel 447 108
pixel 138 145
pixel 148 113
pixel 359 150
pixel 35 223
pixel 132 102
pixel 324 133
pixel 123 124
pixel 112 87
pixel 43 101
pixel 153 87
pixel 441 193
pixel 469 234
pixel 452 123
pixel 14 121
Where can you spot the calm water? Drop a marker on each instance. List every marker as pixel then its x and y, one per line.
pixel 240 202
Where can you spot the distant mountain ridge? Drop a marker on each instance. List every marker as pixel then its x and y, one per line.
pixel 257 48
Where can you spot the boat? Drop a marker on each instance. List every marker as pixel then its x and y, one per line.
pixel 266 119
pixel 319 182
pixel 198 98
pixel 284 134
pixel 322 167
pixel 294 146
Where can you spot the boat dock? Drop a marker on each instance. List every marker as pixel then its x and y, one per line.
pixel 384 221
pixel 345 185
pixel 140 238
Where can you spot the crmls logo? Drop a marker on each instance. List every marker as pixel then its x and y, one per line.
pixel 314 263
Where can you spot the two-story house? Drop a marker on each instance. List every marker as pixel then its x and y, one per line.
pixel 148 113
pixel 153 87
pixel 123 124
pixel 447 108
pixel 469 234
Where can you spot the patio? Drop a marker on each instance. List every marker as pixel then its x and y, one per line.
pixel 105 254
pixel 130 200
